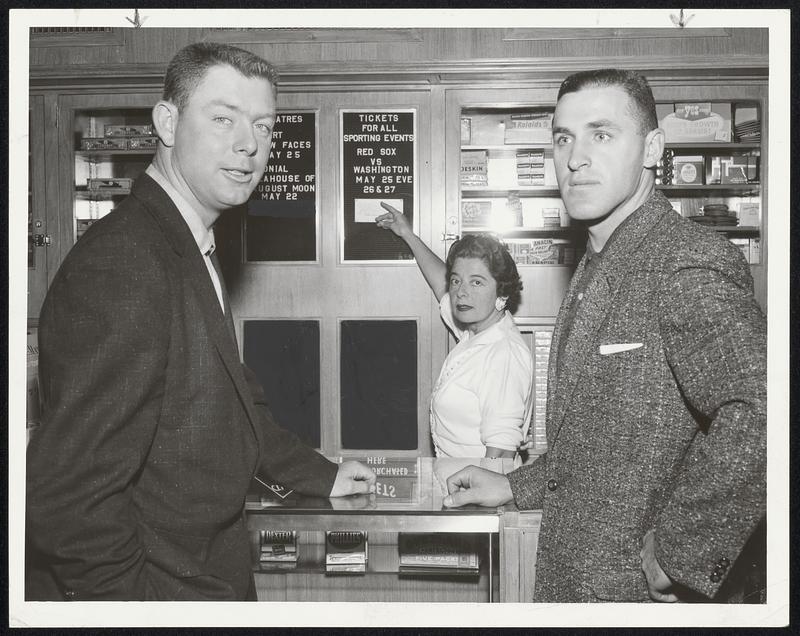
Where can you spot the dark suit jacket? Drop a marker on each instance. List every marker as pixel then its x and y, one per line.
pixel 669 435
pixel 152 429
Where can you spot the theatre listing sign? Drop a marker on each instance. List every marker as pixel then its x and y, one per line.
pixel 282 211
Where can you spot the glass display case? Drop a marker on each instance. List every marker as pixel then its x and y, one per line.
pixel 414 548
pixel 710 172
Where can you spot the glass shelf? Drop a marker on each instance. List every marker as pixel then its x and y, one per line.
pixel 735 230
pixel 100 195
pixel 715 145
pixel 522 191
pixel 715 190
pixel 528 232
pixel 510 147
pixel 106 155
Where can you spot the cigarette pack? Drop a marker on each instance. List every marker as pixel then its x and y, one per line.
pixel 103 143
pixel 474 167
pixel 750 214
pixel 530 158
pixel 128 130
pixel 533 179
pixel 732 169
pixel 688 170
pixel 142 143
pixel 476 213
pixel 529 128
pixel 110 184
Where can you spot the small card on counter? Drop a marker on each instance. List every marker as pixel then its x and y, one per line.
pixel 749 214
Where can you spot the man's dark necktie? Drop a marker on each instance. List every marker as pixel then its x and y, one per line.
pixel 225 303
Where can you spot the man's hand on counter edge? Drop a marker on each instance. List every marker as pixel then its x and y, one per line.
pixel 474 485
pixel 353 478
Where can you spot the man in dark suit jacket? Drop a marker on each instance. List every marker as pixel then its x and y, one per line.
pixel 655 474
pixel 152 429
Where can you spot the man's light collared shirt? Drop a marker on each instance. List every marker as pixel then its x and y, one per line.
pixel 202 235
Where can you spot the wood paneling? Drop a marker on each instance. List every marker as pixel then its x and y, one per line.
pixel 317 36
pixel 375 587
pixel 611 34
pixel 431 47
pixel 519 541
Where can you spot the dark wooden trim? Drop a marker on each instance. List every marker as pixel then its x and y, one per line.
pixel 594 33
pixel 78 36
pixel 310 35
pixel 426 73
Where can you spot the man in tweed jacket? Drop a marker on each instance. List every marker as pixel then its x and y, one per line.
pixel 655 475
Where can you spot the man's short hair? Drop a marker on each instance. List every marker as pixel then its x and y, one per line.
pixel 643 105
pixel 187 69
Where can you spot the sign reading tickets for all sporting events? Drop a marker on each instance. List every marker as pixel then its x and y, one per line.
pixel 378 164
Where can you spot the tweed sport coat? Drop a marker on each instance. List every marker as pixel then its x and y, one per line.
pixel 152 429
pixel 667 433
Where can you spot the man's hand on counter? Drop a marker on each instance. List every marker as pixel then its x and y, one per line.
pixel 474 485
pixel 353 478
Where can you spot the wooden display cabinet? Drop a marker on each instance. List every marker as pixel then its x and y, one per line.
pixel 86 116
pixel 383 518
pixel 527 211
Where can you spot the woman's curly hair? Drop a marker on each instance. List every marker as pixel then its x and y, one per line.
pixel 497 259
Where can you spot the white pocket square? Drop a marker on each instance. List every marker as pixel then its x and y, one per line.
pixel 608 349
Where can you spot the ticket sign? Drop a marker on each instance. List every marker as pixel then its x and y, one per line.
pixel 397 489
pixel 384 466
pixel 378 163
pixel 282 211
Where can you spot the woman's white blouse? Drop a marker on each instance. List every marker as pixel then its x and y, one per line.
pixel 484 395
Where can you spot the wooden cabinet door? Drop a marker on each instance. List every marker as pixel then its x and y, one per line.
pixel 332 294
pixel 38 234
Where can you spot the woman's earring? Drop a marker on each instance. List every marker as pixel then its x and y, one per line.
pixel 500 303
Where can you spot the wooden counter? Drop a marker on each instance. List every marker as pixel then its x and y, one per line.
pixel 407 504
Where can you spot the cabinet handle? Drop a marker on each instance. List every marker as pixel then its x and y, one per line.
pixel 450 237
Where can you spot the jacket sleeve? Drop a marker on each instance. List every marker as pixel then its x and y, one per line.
pixel 715 343
pixel 284 457
pixel 101 368
pixel 527 484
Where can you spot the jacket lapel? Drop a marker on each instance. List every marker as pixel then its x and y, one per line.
pixel 590 315
pixel 194 269
pixel 554 401
pixel 618 260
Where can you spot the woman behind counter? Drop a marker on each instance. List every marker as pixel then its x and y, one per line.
pixel 481 403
